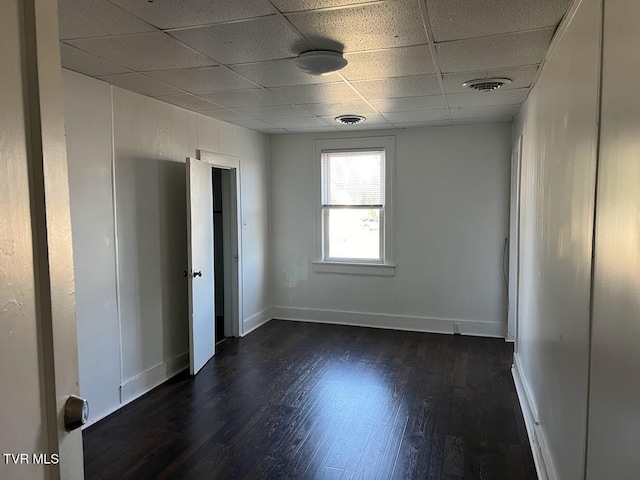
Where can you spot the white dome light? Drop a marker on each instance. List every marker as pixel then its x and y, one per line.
pixel 321 62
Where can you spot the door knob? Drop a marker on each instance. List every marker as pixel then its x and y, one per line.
pixel 76 412
pixel 197 274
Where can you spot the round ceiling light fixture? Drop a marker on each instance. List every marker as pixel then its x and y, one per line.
pixel 486 84
pixel 350 119
pixel 321 62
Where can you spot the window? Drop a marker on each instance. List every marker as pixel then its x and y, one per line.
pixel 354 214
pixel 353 205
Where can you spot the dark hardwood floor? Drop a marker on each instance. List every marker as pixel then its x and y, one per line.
pixel 298 400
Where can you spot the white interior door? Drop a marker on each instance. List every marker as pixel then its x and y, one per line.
pixel 200 274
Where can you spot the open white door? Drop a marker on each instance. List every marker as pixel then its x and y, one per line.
pixel 200 273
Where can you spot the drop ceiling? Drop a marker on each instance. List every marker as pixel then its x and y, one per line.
pixel 234 59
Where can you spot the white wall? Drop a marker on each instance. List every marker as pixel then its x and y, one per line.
pixel 87 105
pixel 253 150
pixel 559 128
pixel 150 143
pixel 451 219
pixel 614 402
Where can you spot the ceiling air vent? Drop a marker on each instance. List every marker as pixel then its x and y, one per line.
pixel 486 84
pixel 350 119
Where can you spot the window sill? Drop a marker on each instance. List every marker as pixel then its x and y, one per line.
pixel 345 268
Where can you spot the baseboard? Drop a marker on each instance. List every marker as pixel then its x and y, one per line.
pixel 256 321
pixel 102 415
pixel 146 381
pixel 392 322
pixel 539 446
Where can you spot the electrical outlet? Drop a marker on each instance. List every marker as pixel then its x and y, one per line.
pixel 456 328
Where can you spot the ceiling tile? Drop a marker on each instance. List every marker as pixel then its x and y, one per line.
pixel 408 104
pixel 474 121
pixel 83 62
pixel 521 77
pixel 372 119
pixel 478 112
pixel 178 13
pixel 200 80
pixel 395 62
pixel 365 126
pixel 399 87
pixel 300 5
pixel 225 115
pixel 189 102
pixel 254 124
pixel 297 129
pixel 265 38
pixel 145 51
pixel 456 19
pixel 97 18
pixel 417 116
pixel 510 50
pixel 484 99
pixel 307 122
pixel 335 109
pixel 363 27
pixel 320 93
pixel 432 123
pixel 279 73
pixel 269 113
pixel 140 84
pixel 274 131
pixel 244 98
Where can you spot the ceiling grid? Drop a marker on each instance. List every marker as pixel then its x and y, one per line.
pixel 234 59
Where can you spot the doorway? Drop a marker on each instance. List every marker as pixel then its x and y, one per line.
pixel 215 284
pixel 222 215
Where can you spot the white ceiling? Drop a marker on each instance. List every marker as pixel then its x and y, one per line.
pixel 233 59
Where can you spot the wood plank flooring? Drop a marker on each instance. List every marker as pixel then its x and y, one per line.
pixel 299 400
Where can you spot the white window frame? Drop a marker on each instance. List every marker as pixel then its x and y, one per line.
pixel 386 267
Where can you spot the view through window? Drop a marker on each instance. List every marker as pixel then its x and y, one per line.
pixel 353 190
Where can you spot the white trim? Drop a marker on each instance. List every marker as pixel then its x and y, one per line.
pixel 102 416
pixel 514 243
pixel 256 320
pixel 143 383
pixel 537 438
pixel 233 164
pixel 386 143
pixel 116 244
pixel 347 268
pixel 388 321
pixel 146 381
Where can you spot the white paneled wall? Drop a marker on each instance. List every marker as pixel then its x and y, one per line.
pixel 87 106
pixel 558 125
pixel 614 401
pixel 451 201
pixel 148 145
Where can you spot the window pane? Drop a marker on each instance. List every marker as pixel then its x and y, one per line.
pixel 353 233
pixel 353 178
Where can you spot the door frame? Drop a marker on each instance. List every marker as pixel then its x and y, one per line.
pixel 232 256
pixel 513 287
